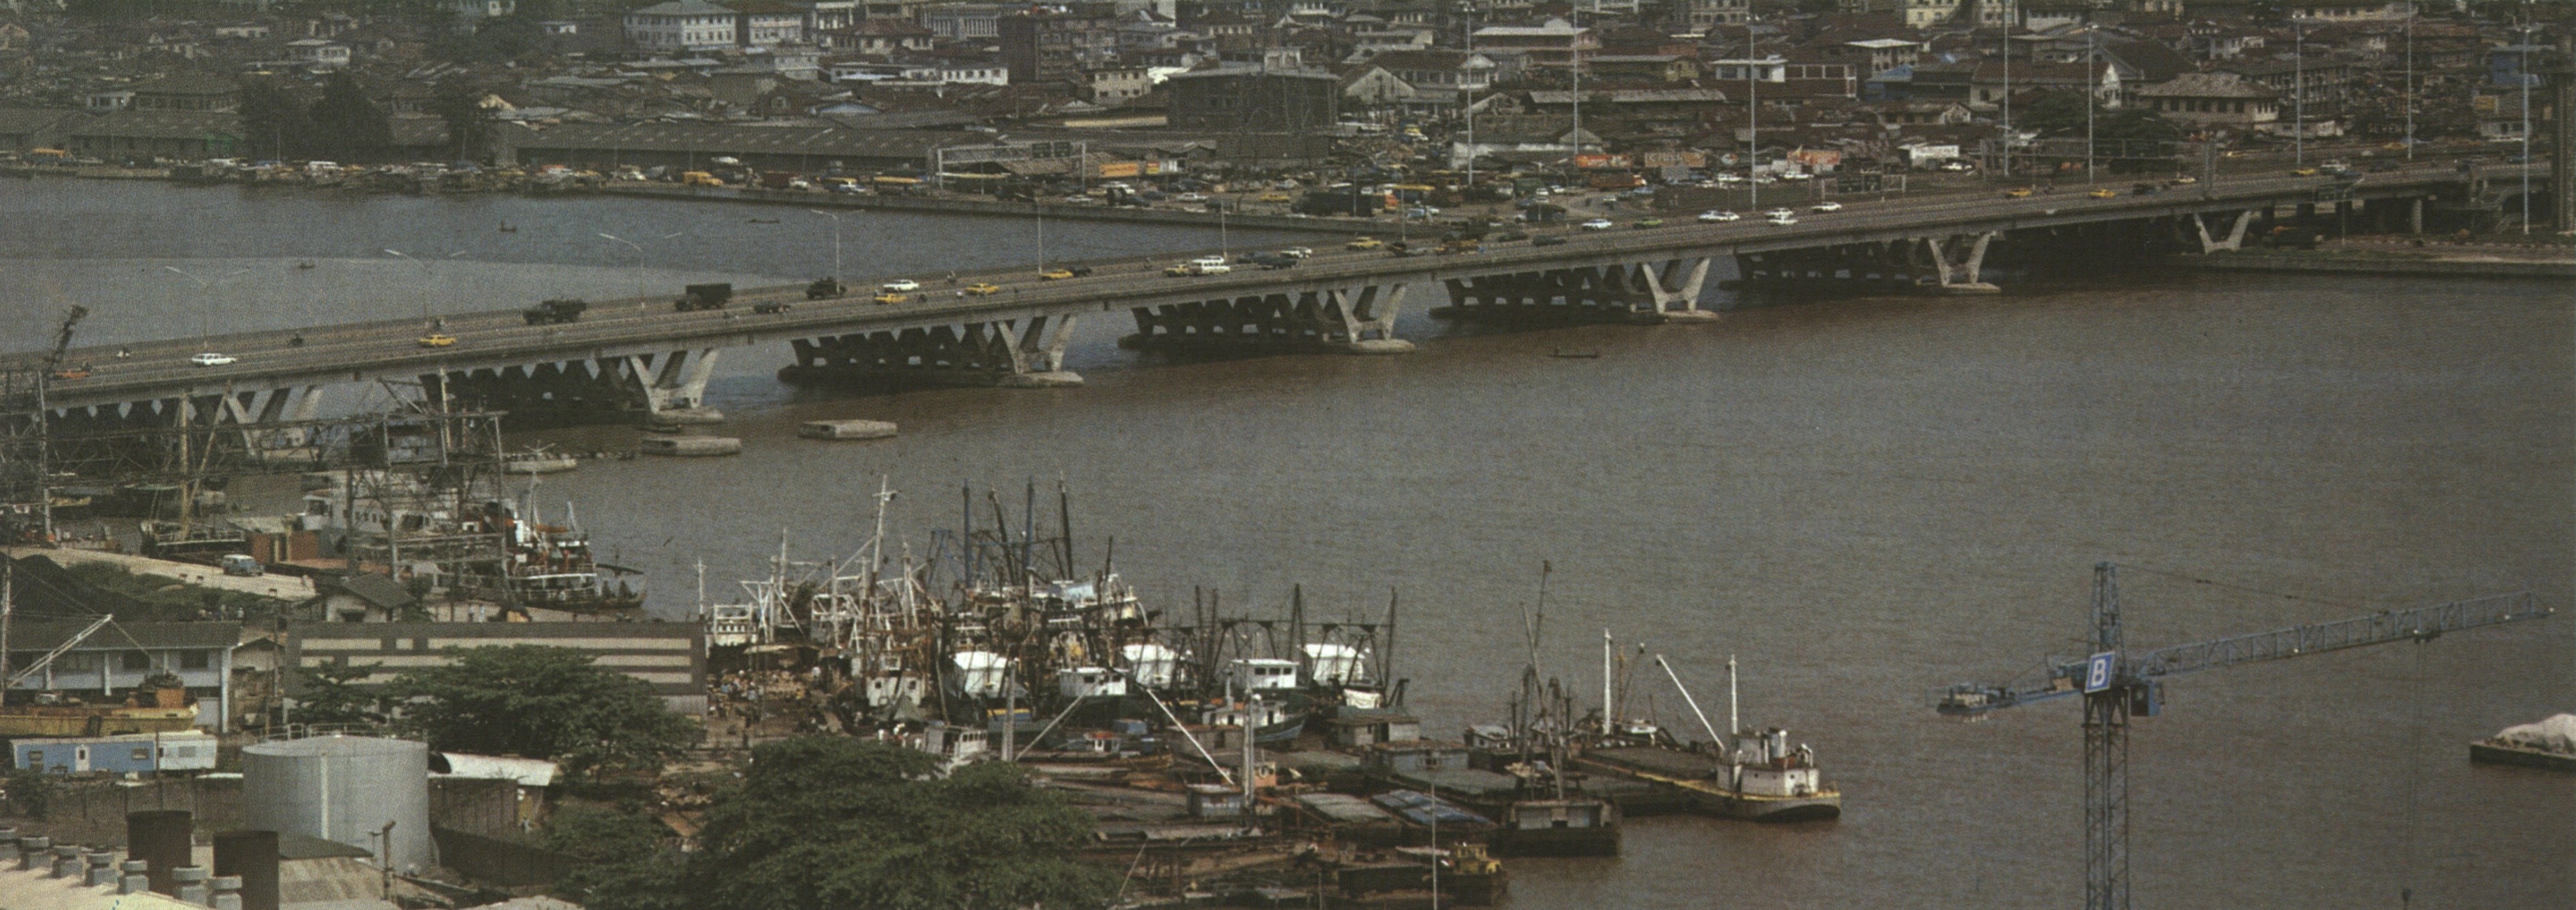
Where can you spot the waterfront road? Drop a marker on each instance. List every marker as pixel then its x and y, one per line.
pixel 393 348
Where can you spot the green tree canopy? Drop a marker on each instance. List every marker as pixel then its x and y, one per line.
pixel 347 126
pixel 330 695
pixel 618 861
pixel 540 702
pixel 833 822
pixel 274 122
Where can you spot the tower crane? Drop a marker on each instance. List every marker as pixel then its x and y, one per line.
pixel 2118 684
pixel 63 340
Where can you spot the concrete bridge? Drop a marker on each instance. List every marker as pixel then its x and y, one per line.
pixel 635 358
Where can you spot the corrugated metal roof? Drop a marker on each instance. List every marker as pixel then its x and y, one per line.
pixel 719 139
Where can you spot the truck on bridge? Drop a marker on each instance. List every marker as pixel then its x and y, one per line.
pixel 555 312
pixel 703 297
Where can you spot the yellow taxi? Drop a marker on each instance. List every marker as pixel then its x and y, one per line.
pixel 1364 243
pixel 1275 197
pixel 1055 274
pixel 891 297
pixel 2305 171
pixel 2102 193
pixel 438 340
pixel 2019 192
pixel 980 288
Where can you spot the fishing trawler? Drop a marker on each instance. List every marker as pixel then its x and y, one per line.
pixel 1745 774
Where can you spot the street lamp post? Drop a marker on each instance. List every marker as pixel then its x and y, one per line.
pixel 205 312
pixel 426 274
pixel 836 240
pixel 639 260
pixel 2410 83
pixel 2523 71
pixel 2299 92
pixel 1752 115
pixel 2092 89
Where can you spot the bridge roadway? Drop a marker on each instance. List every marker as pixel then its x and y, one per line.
pixel 390 349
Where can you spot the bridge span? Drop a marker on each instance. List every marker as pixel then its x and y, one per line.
pixel 637 358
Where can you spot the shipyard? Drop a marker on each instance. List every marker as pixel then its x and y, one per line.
pixel 755 455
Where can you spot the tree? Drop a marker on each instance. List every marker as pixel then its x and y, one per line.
pixel 618 860
pixel 330 695
pixel 275 124
pixel 540 702
pixel 347 126
pixel 459 104
pixel 2120 135
pixel 826 821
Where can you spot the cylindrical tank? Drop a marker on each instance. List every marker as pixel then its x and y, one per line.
pixel 343 789
pixel 252 855
pixel 162 837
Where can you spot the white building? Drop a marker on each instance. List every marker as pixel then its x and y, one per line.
pixel 318 54
pixel 680 26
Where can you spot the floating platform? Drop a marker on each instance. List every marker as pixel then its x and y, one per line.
pixel 689 446
pixel 846 429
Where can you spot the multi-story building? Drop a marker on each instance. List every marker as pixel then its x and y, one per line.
pixel 1704 16
pixel 681 26
pixel 765 23
pixel 1254 98
pixel 966 21
pixel 1051 45
pixel 2206 100
pixel 1114 85
pixel 1554 44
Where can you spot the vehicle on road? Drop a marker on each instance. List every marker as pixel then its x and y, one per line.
pixel 243 565
pixel 825 289
pixel 1546 240
pixel 1826 206
pixel 1055 274
pixel 1782 218
pixel 1277 197
pixel 1650 222
pixel 1955 166
pixel 554 312
pixel 1191 197
pixel 1298 252
pixel 1506 236
pixel 1599 224
pixel 1780 213
pixel 1714 216
pixel 1204 265
pixel 1364 243
pixel 2103 193
pixel 697 297
pixel 78 372
pixel 900 284
pixel 1273 261
pixel 212 359
pixel 891 297
pixel 438 340
pixel 2019 192
pixel 770 307
pixel 980 289
pixel 2304 171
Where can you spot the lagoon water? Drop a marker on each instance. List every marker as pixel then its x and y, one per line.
pixel 1859 499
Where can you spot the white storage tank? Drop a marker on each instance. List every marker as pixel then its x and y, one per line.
pixel 343 789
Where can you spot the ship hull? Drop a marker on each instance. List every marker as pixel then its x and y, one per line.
pixel 2492 754
pixel 1820 807
pixel 1555 841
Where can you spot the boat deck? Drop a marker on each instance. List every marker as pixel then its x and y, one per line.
pixel 1658 762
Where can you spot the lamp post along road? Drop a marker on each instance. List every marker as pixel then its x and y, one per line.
pixel 836 241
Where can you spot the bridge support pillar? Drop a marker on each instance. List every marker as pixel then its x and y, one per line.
pixel 2235 239
pixel 677 391
pixel 1651 292
pixel 1347 320
pixel 1958 266
pixel 1675 287
pixel 1005 353
pixel 2415 215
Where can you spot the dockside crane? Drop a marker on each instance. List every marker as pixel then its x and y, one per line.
pixel 2118 684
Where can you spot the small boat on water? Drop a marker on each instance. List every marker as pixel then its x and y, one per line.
pixel 508 228
pixel 539 461
pixel 1563 354
pixel 760 220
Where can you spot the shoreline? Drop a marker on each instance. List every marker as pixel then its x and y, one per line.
pixel 2447 267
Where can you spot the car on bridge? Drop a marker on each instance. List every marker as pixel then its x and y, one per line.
pixel 78 372
pixel 981 288
pixel 900 284
pixel 891 297
pixel 2103 193
pixel 438 340
pixel 1783 218
pixel 1055 274
pixel 1364 243
pixel 1599 224
pixel 1276 197
pixel 1546 240
pixel 1826 206
pixel 212 359
pixel 1714 216
pixel 2019 192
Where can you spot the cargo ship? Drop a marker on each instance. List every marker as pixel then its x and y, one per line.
pixel 1742 774
pixel 2550 743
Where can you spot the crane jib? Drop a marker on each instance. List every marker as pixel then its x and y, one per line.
pixel 2069 676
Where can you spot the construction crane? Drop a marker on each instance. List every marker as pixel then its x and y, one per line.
pixel 2118 684
pixel 63 339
